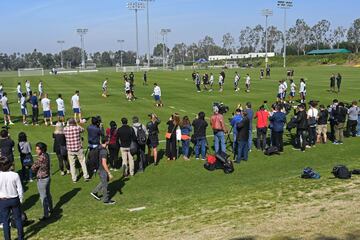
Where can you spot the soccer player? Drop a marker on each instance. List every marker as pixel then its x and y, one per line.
pixel 261 73
pixel 45 102
pixel 28 88
pixel 157 95
pixel 198 82
pixel 285 88
pixel 338 81
pixel 302 90
pixel 268 72
pixel 145 78
pixel 211 82
pixel 332 83
pixel 60 109
pixel 221 82
pixel 247 83
pixel 40 89
pixel 292 91
pixel 128 90
pixel 18 91
pixel 75 102
pixel 205 81
pixel 1 90
pixel 23 108
pixel 6 109
pixel 236 82
pixel 280 96
pixel 104 88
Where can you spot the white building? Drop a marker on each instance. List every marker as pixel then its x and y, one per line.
pixel 239 56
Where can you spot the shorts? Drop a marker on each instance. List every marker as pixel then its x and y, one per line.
pixel 47 114
pixel 281 95
pixel 6 111
pixel 24 112
pixel 292 94
pixel 153 141
pixel 60 114
pixel 303 94
pixel 19 95
pixel 157 97
pixel 76 110
pixel 127 91
pixel 321 129
pixel 104 89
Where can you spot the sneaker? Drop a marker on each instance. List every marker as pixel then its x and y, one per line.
pixel 95 196
pixel 31 180
pixel 340 142
pixel 336 143
pixel 203 159
pixel 197 158
pixel 11 123
pixel 109 202
pixel 62 173
pixel 308 146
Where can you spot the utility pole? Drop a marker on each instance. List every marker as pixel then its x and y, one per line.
pixel 163 33
pixel 82 32
pixel 266 13
pixel 61 42
pixel 121 41
pixel 285 5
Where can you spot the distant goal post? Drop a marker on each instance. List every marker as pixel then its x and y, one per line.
pixel 22 72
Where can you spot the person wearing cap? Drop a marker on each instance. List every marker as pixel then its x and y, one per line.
pixel 75 149
pixel 219 129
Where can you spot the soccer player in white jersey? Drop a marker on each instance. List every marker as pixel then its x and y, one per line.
pixel 1 90
pixel 40 89
pixel 104 88
pixel 247 83
pixel 60 109
pixel 285 88
pixel 75 103
pixel 221 82
pixel 23 108
pixel 211 82
pixel 6 109
pixel 157 95
pixel 302 90
pixel 28 88
pixel 45 102
pixel 236 82
pixel 18 91
pixel 280 95
pixel 292 91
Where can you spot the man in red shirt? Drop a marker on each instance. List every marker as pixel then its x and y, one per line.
pixel 262 117
pixel 219 129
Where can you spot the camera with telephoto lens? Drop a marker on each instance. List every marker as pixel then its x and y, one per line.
pixel 222 108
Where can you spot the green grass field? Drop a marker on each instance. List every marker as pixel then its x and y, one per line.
pixel 263 198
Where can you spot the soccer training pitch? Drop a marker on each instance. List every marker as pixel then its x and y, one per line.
pixel 264 197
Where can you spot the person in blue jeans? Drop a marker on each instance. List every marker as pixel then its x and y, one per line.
pixel 200 126
pixel 235 120
pixel 186 128
pixel 250 115
pixel 219 129
pixel 243 138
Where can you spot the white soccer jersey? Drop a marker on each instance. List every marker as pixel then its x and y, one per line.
pixel 292 87
pixel 221 79
pixel 75 101
pixel 127 86
pixel 104 86
pixel 40 88
pixel 281 88
pixel 157 91
pixel 22 102
pixel 45 102
pixel 302 87
pixel 237 78
pixel 27 86
pixel 247 80
pixel 60 104
pixel 4 102
pixel 211 81
pixel 18 89
pixel 285 85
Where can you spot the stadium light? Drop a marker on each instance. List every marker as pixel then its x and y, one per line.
pixel 285 5
pixel 266 13
pixel 136 6
pixel 163 33
pixel 82 32
pixel 121 41
pixel 148 28
pixel 61 42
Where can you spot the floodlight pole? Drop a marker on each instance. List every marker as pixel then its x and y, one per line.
pixel 148 29
pixel 163 33
pixel 266 13
pixel 121 41
pixel 82 32
pixel 61 42
pixel 285 5
pixel 135 6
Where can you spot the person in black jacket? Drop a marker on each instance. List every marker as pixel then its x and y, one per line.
pixel 125 136
pixel 200 126
pixel 339 118
pixel 243 138
pixel 301 127
pixel 321 127
pixel 171 150
pixel 60 149
pixel 153 138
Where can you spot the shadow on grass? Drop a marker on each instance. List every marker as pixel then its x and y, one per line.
pixel 349 236
pixel 116 186
pixel 29 202
pixel 55 216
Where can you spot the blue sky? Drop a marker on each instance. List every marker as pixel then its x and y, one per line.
pixel 30 24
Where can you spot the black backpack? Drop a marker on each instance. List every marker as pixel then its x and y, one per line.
pixel 140 135
pixel 341 172
pixel 93 161
pixel 271 150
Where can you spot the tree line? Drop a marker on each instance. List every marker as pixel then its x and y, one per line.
pixel 301 37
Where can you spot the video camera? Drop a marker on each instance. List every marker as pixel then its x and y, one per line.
pixel 222 108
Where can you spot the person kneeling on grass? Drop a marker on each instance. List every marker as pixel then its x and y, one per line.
pixel 104 174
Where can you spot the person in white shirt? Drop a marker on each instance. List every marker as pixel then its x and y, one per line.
pixel 221 82
pixel 11 197
pixel 18 91
pixel 280 96
pixel 292 91
pixel 104 88
pixel 302 90
pixel 60 109
pixel 23 108
pixel 75 102
pixel 128 90
pixel 45 102
pixel 157 95
pixel 40 89
pixel 312 116
pixel 28 88
pixel 211 82
pixel 236 82
pixel 6 109
pixel 247 83
pixel 1 90
pixel 285 88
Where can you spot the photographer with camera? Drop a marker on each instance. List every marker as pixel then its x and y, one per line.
pixel 277 120
pixel 233 122
pixel 243 138
pixel 218 126
pixel 95 132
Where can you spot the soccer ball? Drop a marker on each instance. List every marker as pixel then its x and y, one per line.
pixel 83 120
